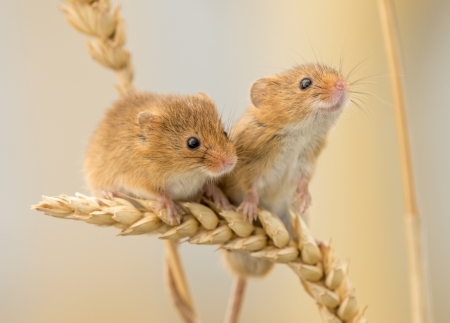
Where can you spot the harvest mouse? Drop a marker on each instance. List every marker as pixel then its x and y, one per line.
pixel 278 141
pixel 160 146
pixel 280 137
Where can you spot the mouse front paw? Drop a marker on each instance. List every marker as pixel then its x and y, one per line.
pixel 249 210
pixel 305 203
pixel 107 195
pixel 174 212
pixel 249 207
pixel 302 194
pixel 217 196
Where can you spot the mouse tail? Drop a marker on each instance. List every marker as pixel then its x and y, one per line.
pixel 106 27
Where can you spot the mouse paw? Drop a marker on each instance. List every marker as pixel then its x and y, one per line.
pixel 305 202
pixel 217 196
pixel 174 212
pixel 107 195
pixel 249 207
pixel 302 194
pixel 249 210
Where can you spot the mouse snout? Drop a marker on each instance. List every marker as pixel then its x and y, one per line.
pixel 228 163
pixel 340 85
pixel 220 162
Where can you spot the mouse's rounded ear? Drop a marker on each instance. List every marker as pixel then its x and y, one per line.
pixel 146 121
pixel 259 91
pixel 202 95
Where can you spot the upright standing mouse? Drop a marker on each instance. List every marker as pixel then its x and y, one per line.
pixel 164 147
pixel 280 137
pixel 278 141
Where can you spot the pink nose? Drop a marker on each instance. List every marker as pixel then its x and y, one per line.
pixel 228 162
pixel 340 85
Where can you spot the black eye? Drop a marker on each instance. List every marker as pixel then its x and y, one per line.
pixel 193 143
pixel 305 83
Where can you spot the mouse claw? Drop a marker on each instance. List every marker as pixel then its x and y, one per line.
pixel 107 195
pixel 302 194
pixel 217 196
pixel 174 215
pixel 249 207
pixel 174 212
pixel 305 204
pixel 249 210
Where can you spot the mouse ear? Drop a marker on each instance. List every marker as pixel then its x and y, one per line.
pixel 202 95
pixel 146 121
pixel 258 92
pixel 205 98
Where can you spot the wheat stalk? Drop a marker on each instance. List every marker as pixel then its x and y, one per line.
pixel 106 26
pixel 323 275
pixel 420 307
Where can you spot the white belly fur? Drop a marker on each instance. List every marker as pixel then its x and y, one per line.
pixel 276 189
pixel 179 187
pixel 185 186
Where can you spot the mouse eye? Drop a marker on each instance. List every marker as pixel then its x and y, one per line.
pixel 305 83
pixel 193 143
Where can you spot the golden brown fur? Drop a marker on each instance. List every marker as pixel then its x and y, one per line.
pixel 140 146
pixel 278 141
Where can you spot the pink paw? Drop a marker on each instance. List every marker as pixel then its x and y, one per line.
pixel 217 196
pixel 306 200
pixel 108 195
pixel 174 212
pixel 249 209
pixel 303 195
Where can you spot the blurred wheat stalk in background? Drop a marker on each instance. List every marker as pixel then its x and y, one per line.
pixel 323 275
pixel 419 296
pixel 107 29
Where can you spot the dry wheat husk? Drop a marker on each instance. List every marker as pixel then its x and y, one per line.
pixel 323 275
pixel 106 27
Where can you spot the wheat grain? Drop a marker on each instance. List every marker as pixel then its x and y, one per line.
pixel 323 275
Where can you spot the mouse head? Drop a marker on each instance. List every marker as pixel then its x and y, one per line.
pixel 303 91
pixel 185 135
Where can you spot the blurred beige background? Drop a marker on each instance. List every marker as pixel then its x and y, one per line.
pixel 52 95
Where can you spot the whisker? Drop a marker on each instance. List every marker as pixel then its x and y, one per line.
pixel 354 69
pixel 297 54
pixel 371 76
pixel 376 96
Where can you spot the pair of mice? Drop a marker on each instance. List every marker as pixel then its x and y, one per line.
pixel 173 147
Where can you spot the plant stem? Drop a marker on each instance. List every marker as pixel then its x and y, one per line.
pixel 418 284
pixel 237 298
pixel 177 284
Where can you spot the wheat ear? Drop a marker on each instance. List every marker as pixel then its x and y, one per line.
pixel 323 275
pixel 107 29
